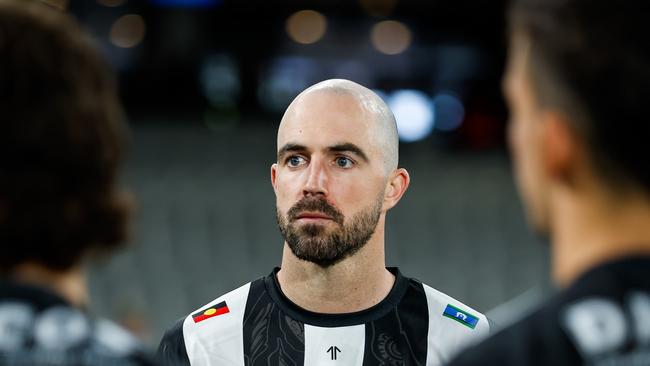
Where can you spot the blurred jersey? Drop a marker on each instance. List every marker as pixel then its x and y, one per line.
pixel 38 327
pixel 602 319
pixel 257 325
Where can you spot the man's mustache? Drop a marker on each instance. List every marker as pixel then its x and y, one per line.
pixel 308 204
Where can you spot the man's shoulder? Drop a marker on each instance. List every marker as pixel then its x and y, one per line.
pixel 452 325
pixel 217 322
pixel 444 308
pixel 216 311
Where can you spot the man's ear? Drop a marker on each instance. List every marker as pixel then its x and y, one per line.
pixel 559 147
pixel 274 172
pixel 398 182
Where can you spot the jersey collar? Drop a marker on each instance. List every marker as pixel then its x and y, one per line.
pixel 337 320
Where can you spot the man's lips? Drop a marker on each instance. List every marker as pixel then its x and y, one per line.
pixel 313 216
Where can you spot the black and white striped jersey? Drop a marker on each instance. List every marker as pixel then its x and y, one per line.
pixel 257 325
pixel 40 328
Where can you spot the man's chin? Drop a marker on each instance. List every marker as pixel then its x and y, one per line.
pixel 313 230
pixel 312 256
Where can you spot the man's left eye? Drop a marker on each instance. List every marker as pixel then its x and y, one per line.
pixel 344 162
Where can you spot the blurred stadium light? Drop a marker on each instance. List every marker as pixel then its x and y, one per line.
pixel 275 49
pixel 306 26
pixel 220 81
pixel 449 111
pixel 128 31
pixel 414 114
pixel 285 79
pixel 390 37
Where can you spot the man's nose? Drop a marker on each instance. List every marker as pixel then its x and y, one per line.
pixel 316 182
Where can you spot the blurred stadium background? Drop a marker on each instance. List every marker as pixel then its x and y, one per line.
pixel 205 83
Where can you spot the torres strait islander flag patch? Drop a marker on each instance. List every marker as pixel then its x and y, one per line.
pixel 461 316
pixel 215 310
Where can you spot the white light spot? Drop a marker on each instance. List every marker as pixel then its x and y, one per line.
pixel 413 113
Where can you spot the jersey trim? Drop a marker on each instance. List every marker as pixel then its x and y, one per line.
pixel 337 320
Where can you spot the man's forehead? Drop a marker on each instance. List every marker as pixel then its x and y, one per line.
pixel 327 117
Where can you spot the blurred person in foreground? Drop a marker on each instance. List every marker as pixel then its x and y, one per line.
pixel 61 142
pixel 332 301
pixel 578 84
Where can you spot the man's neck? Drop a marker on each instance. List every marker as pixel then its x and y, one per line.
pixel 70 284
pixel 354 284
pixel 589 232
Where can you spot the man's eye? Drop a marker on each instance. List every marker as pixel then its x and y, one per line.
pixel 344 162
pixel 295 161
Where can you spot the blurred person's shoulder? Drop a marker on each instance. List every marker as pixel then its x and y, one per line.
pixel 37 327
pixel 603 318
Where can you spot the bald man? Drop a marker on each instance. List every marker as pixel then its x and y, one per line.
pixel 333 301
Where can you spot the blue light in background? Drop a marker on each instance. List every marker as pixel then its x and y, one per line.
pixel 286 77
pixel 186 3
pixel 449 111
pixel 219 79
pixel 414 114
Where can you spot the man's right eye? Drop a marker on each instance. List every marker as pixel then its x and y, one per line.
pixel 294 161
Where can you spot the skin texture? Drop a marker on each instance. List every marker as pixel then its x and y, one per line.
pixel 322 128
pixel 589 221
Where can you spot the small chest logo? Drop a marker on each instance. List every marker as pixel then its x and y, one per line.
pixel 460 316
pixel 333 351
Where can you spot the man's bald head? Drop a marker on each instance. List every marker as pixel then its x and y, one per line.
pixel 385 128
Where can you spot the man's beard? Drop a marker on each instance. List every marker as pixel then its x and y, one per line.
pixel 323 246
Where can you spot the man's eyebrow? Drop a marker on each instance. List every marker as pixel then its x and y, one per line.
pixel 349 147
pixel 290 147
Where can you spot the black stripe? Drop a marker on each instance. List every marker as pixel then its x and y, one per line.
pixel 172 351
pixel 270 336
pixel 400 337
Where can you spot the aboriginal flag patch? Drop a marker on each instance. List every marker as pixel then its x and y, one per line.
pixel 214 310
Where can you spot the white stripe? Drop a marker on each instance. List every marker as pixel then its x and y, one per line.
pixel 218 341
pixel 347 342
pixel 447 337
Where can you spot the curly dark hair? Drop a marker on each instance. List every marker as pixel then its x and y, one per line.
pixel 591 58
pixel 62 137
